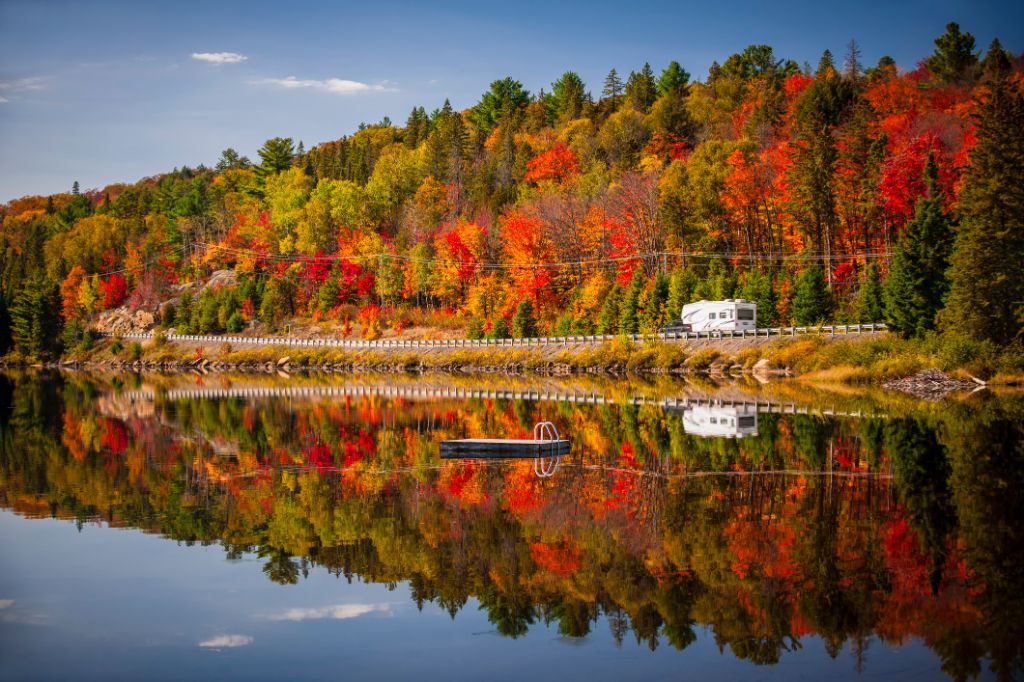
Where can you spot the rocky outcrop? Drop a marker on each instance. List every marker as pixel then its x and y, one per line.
pixel 122 321
pixel 931 384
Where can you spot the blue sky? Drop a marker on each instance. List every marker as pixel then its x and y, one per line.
pixel 102 92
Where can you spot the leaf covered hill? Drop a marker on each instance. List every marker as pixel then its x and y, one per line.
pixel 832 192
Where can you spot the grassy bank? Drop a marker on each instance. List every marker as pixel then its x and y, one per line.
pixel 853 360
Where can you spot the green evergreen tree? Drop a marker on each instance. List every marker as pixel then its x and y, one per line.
pixel 524 324
pixel 641 89
pixel 568 97
pixel 954 58
pixel 35 318
pixel 612 85
pixel 672 79
pixel 608 320
pixel 629 319
pixel 475 328
pixel 811 300
pixel 499 328
pixel 183 314
pixel 276 155
pixel 870 300
pixel 758 288
pixel 986 299
pixel 654 306
pixel 917 283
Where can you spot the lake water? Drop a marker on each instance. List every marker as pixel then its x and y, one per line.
pixel 185 527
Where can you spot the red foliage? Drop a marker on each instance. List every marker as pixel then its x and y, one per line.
pixel 113 291
pixel 558 164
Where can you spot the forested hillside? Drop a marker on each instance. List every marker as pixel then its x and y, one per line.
pixel 823 192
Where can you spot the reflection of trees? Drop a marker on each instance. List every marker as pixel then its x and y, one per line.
pixel 633 528
pixel 986 447
pixel 280 567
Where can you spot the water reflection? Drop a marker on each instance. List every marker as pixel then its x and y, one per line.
pixel 764 528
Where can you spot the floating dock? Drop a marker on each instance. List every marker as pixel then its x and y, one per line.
pixel 545 443
pixel 484 448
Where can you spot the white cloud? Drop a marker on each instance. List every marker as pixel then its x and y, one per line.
pixel 20 85
pixel 338 86
pixel 4 603
pixel 336 612
pixel 219 57
pixel 226 642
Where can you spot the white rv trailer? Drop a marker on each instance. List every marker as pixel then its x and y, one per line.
pixel 711 421
pixel 732 314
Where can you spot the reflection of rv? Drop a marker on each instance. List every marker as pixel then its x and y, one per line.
pixel 710 421
pixel 728 315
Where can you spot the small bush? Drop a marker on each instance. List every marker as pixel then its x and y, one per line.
pixel 748 357
pixel 474 328
pixel 135 350
pixel 703 358
pixel 236 323
pixel 115 347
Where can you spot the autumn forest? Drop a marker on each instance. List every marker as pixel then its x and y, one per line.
pixel 830 192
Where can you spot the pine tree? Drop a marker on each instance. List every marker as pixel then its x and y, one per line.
pixel 524 324
pixel 917 283
pixel 870 300
pixel 954 58
pixel 986 299
pixel 629 320
pixel 612 85
pixel 758 288
pixel 608 320
pixel 672 79
pixel 74 188
pixel 811 301
pixel 641 89
pixel 654 307
pixel 276 155
pixel 35 321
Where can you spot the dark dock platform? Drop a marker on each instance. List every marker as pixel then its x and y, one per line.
pixel 485 448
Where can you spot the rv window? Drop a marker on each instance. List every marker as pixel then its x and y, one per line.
pixel 711 316
pixel 747 422
pixel 713 420
pixel 745 314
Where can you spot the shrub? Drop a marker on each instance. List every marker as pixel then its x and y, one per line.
pixel 703 358
pixel 236 323
pixel 115 347
pixel 475 328
pixel 135 350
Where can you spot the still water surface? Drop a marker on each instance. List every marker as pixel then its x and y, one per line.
pixel 307 529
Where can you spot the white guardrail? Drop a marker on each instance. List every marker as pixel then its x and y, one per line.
pixel 831 330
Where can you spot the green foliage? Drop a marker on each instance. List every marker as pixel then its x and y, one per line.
pixel 758 288
pixel 236 323
pixel 629 319
pixel 954 58
pixel 499 328
pixel 673 78
pixel 986 299
pixel 811 301
pixel 135 351
pixel 917 283
pixel 870 300
pixel 608 320
pixel 654 310
pixel 568 97
pixel 503 100
pixel 524 324
pixel 35 319
pixel 475 328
